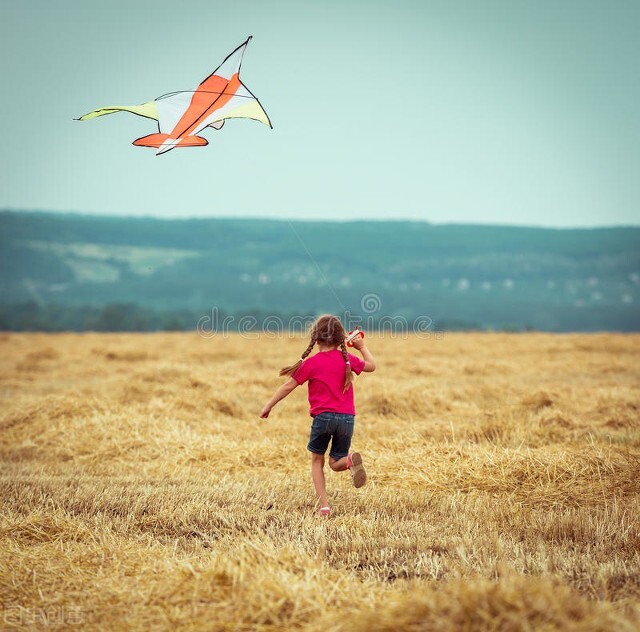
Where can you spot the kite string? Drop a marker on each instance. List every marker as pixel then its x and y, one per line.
pixel 324 278
pixel 295 232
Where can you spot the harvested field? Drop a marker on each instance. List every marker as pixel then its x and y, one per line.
pixel 140 490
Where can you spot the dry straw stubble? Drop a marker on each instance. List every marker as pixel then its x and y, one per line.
pixel 139 486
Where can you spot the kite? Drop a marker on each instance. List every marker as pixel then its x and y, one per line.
pixel 183 115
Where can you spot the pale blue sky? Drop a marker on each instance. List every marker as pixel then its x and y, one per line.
pixel 510 111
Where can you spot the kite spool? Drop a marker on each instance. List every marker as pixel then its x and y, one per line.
pixel 352 335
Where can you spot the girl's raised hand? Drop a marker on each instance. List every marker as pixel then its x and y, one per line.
pixel 265 412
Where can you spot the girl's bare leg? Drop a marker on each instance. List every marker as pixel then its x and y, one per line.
pixel 338 465
pixel 358 472
pixel 317 474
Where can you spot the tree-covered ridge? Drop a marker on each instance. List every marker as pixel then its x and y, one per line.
pixel 475 276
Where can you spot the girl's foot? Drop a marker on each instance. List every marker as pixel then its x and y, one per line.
pixel 358 474
pixel 324 511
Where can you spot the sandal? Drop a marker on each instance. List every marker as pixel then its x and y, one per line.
pixel 358 474
pixel 324 511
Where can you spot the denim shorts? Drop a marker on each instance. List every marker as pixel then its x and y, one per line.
pixel 337 427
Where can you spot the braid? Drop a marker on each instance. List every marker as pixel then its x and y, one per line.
pixel 309 349
pixel 348 375
pixel 343 350
pixel 290 370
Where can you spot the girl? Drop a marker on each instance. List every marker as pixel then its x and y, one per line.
pixel 329 373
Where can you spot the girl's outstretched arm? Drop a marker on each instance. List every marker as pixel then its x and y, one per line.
pixel 281 393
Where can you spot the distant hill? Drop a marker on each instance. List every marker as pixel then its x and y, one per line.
pixel 65 271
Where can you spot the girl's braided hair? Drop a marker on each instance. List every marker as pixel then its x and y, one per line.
pixel 327 330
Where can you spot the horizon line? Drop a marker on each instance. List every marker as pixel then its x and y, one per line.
pixel 331 220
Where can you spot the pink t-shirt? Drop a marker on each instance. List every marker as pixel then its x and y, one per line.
pixel 325 371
